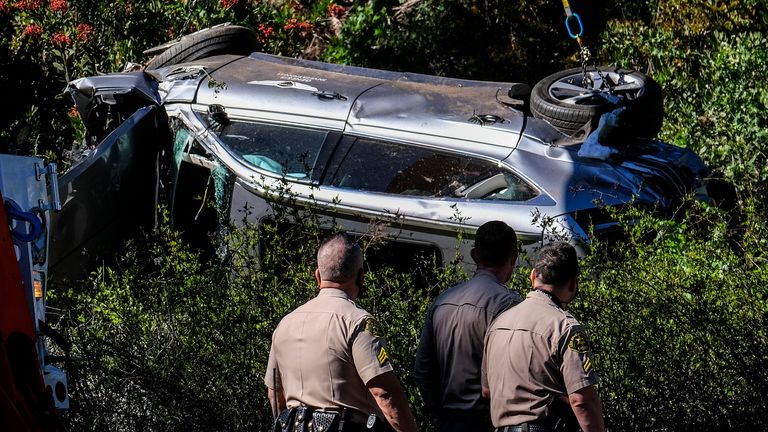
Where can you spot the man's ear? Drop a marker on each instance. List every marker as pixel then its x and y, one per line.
pixel 533 277
pixel 317 276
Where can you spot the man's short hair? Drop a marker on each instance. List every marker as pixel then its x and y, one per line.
pixel 495 243
pixel 339 258
pixel 556 263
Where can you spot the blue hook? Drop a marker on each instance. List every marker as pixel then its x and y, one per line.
pixel 568 26
pixel 36 227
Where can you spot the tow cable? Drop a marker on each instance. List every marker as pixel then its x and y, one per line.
pixel 584 54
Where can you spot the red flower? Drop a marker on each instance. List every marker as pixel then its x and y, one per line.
pixel 59 5
pixel 336 10
pixel 226 4
pixel 32 30
pixel 73 113
pixel 4 8
pixel 302 26
pixel 61 39
pixel 28 4
pixel 84 32
pixel 265 31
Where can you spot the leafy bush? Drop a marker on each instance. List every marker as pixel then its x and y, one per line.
pixel 678 318
pixel 709 59
pixel 165 340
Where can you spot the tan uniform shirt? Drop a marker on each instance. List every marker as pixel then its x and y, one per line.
pixel 324 352
pixel 533 352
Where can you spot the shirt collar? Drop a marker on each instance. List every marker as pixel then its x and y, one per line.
pixel 547 296
pixel 332 292
pixel 484 272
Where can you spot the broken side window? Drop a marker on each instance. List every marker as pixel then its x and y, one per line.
pixel 285 150
pixel 379 166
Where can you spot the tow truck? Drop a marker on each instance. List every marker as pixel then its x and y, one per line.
pixel 33 390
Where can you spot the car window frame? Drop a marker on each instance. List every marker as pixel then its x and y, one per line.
pixel 318 168
pixel 347 143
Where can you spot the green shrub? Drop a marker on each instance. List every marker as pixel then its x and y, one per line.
pixel 678 319
pixel 709 59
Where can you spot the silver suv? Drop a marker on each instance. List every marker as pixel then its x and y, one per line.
pixel 429 155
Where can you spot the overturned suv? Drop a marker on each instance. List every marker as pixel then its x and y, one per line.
pixel 431 155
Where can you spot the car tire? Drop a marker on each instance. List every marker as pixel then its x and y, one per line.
pixel 561 100
pixel 224 39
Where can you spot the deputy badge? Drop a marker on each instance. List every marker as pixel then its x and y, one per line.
pixel 578 343
pixel 382 356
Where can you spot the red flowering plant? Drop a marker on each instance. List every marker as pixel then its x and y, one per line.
pixel 84 32
pixel 264 32
pixel 32 31
pixel 226 4
pixel 302 27
pixel 50 32
pixel 60 40
pixel 59 6
pixel 336 11
pixel 29 5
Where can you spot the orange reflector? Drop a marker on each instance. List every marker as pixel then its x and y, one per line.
pixel 38 288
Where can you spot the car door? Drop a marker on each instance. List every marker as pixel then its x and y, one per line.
pixel 108 195
pixel 423 194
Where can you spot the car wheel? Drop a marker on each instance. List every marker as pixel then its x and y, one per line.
pixel 563 100
pixel 224 39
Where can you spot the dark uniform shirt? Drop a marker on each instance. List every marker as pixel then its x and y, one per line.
pixel 534 352
pixel 324 353
pixel 447 369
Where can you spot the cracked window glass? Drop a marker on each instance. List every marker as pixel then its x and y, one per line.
pixel 285 150
pixel 409 170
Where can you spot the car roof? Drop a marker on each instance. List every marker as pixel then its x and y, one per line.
pixel 444 112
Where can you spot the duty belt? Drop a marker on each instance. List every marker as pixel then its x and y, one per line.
pixel 525 427
pixel 308 419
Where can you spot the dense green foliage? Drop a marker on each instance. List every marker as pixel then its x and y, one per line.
pixel 165 339
pixel 678 317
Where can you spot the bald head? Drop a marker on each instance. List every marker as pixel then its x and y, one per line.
pixel 339 259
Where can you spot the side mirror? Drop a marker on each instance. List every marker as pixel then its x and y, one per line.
pixel 520 96
pixel 519 91
pixel 218 115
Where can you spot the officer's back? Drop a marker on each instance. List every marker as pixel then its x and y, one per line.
pixel 328 364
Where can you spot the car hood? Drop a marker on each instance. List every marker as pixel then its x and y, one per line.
pixel 650 172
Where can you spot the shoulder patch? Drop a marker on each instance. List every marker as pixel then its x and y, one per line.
pixel 372 327
pixel 382 356
pixel 578 342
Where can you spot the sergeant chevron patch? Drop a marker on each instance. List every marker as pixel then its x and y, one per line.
pixel 382 356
